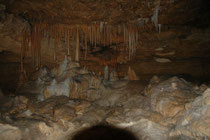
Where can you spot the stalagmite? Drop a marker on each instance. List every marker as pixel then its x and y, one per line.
pixel 106 73
pixel 113 76
pixel 159 28
pixel 132 74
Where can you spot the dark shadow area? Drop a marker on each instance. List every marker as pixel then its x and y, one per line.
pixel 104 132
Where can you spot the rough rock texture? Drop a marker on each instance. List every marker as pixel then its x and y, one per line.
pixel 9 132
pixel 54 104
pixel 158 112
pixel 169 97
pixel 166 109
pixel 195 121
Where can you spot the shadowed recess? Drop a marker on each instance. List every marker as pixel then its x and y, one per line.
pixel 104 132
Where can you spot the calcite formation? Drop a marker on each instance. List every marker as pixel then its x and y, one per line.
pixel 165 109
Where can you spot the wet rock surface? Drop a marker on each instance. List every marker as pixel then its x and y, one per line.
pixel 167 108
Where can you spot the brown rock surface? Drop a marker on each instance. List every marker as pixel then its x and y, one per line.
pixel 65 112
pixel 60 117
pixel 169 97
pixel 195 121
pixel 9 132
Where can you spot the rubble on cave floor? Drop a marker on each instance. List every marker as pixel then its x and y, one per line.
pixel 56 104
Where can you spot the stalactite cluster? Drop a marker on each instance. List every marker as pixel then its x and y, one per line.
pixel 24 47
pixel 86 37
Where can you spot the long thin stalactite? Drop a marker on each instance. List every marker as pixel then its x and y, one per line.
pixel 86 37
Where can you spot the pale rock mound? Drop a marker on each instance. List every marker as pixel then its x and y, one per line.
pixel 195 122
pixel 170 96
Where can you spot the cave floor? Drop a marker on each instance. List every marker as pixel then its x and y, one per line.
pixel 58 103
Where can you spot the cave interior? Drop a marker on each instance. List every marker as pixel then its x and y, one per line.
pixel 69 66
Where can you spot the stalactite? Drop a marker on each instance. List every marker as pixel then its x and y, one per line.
pixel 32 46
pixel 98 34
pixel 104 36
pixel 155 16
pixel 92 35
pixel 55 44
pixel 133 43
pixel 77 46
pixel 129 45
pixel 89 34
pixel 137 38
pixel 67 42
pixel 39 47
pixel 95 27
pixel 83 36
pixel 124 33
pixel 35 45
pixel 49 38
pixel 22 51
pixel 110 35
pixel 86 49
pixel 119 29
pixel 80 38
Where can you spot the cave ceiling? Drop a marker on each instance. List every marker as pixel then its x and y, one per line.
pixel 110 11
pixel 83 11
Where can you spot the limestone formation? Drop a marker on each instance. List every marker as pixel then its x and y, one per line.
pixel 162 60
pixel 168 97
pixel 166 109
pixel 195 121
pixel 57 89
pixel 106 73
pixel 132 74
pixel 113 76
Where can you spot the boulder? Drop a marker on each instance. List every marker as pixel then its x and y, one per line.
pixel 9 132
pixel 195 121
pixel 170 96
pixel 132 75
